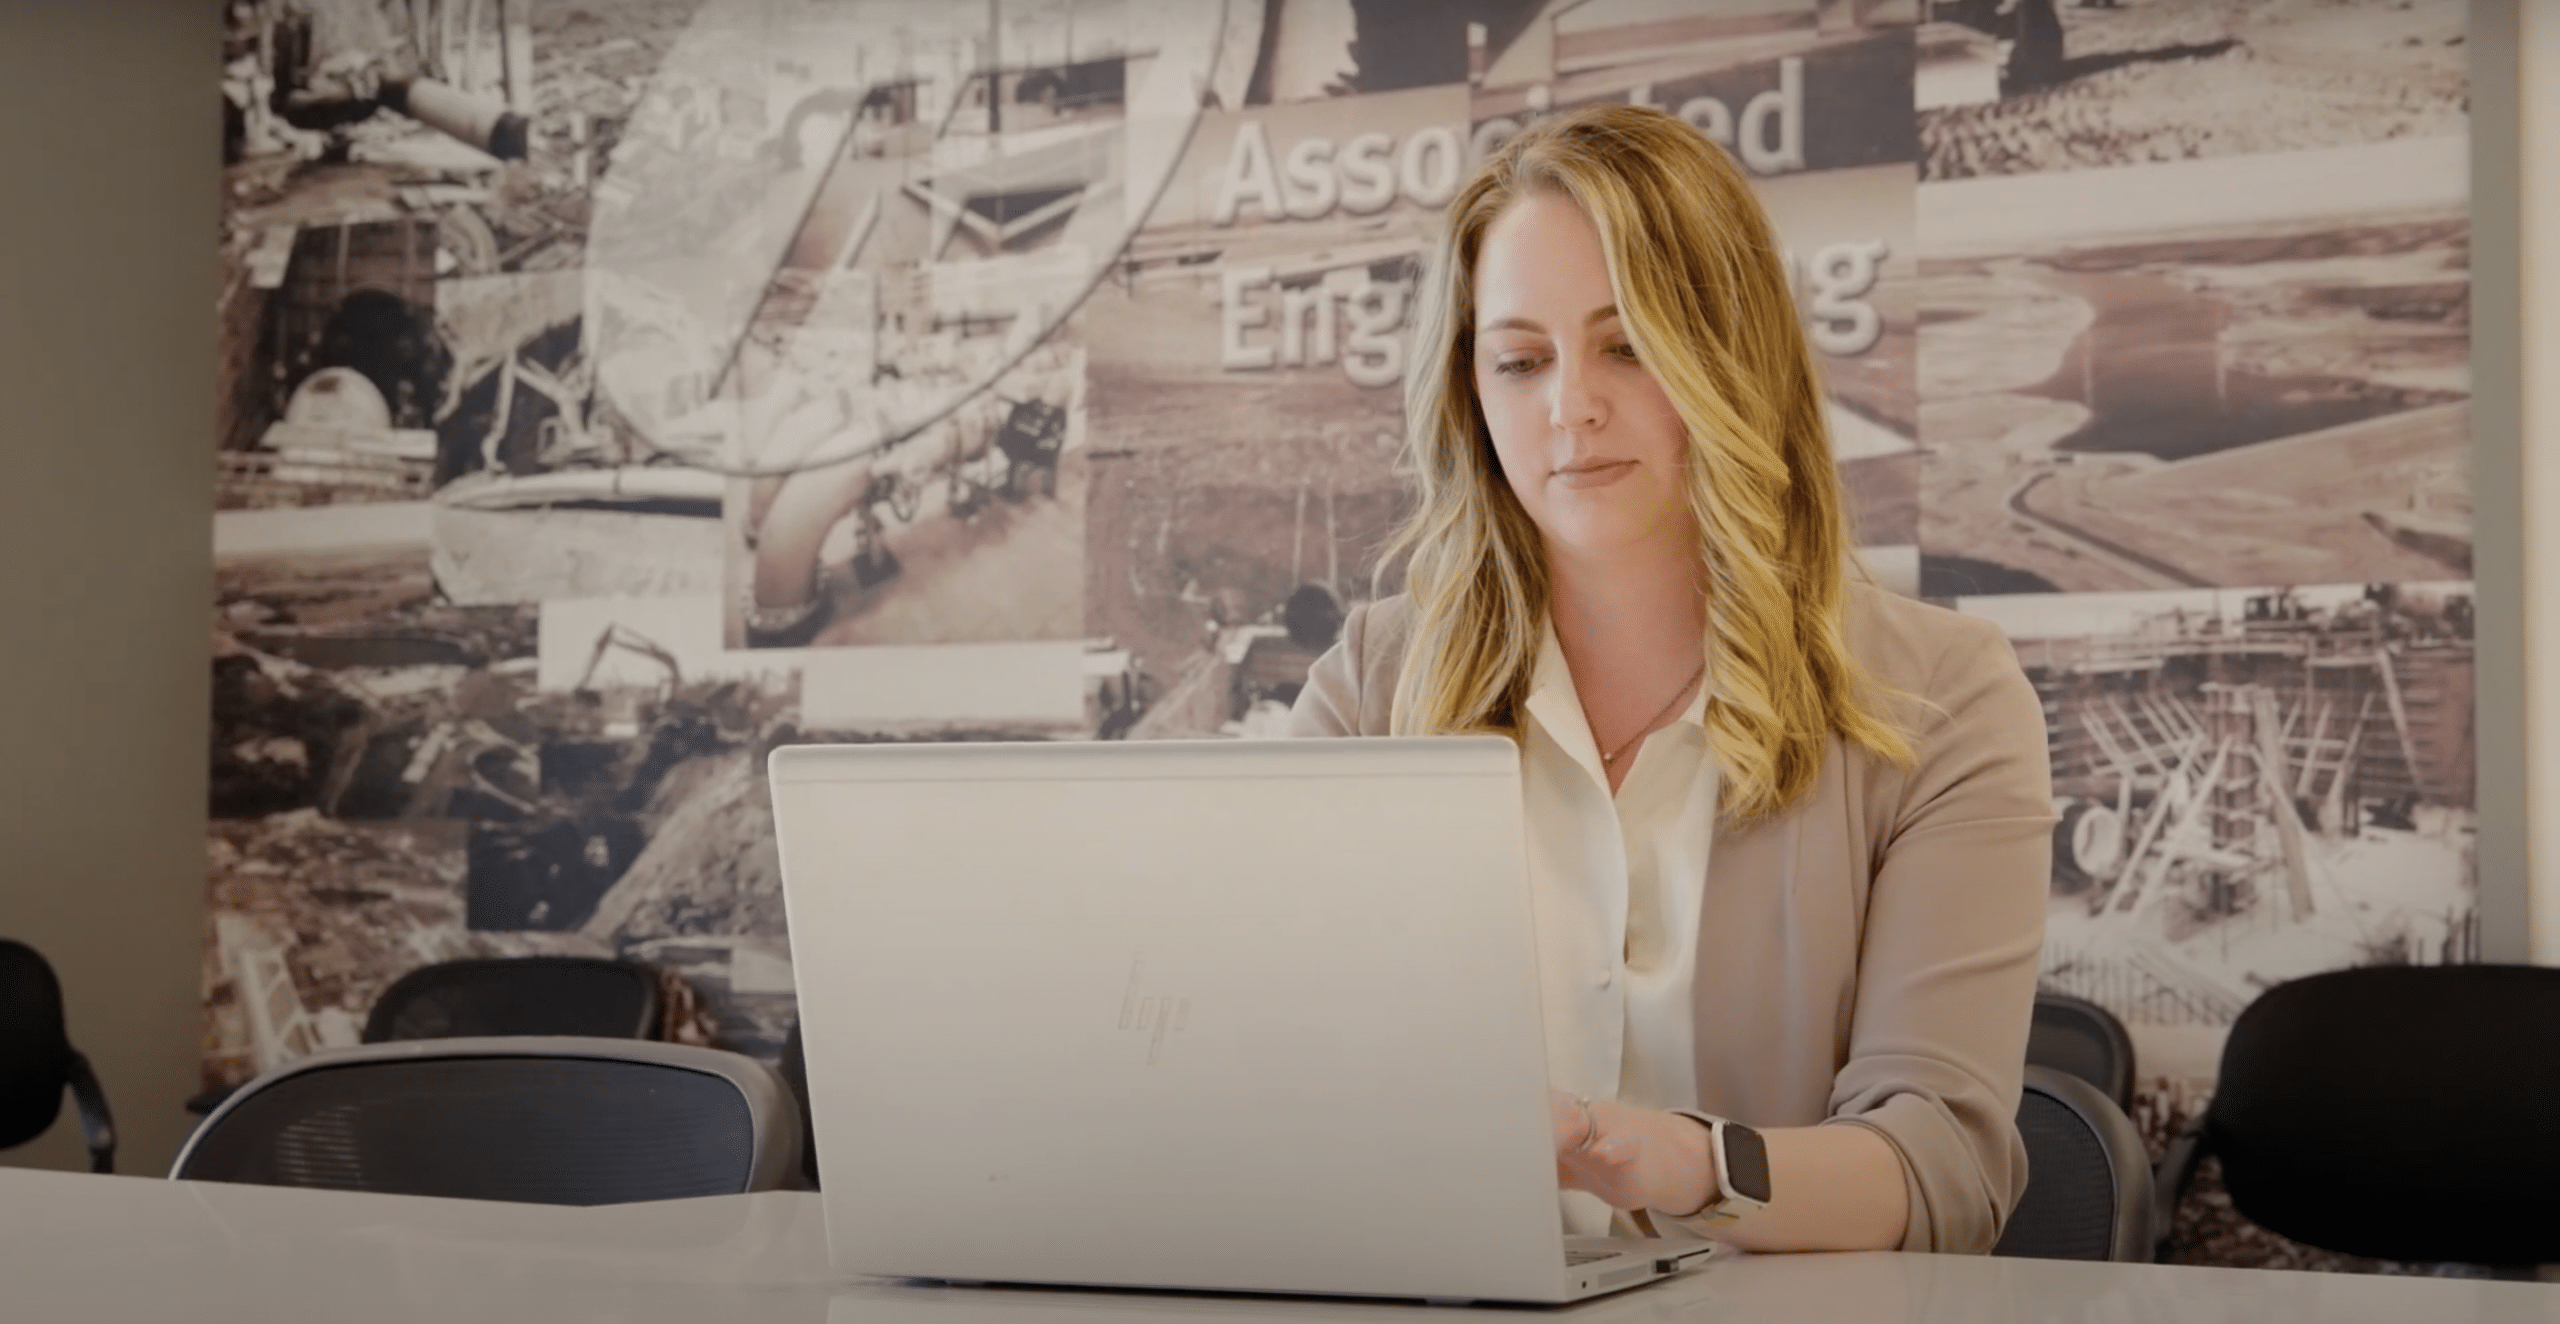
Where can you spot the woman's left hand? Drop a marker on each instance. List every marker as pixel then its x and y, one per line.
pixel 1637 1158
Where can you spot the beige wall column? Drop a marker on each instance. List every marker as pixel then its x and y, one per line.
pixel 110 146
pixel 2539 131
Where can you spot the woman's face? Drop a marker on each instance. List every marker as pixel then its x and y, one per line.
pixel 1587 439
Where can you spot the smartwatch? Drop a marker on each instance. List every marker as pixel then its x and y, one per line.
pixel 1742 1171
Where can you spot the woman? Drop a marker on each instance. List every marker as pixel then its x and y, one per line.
pixel 1787 833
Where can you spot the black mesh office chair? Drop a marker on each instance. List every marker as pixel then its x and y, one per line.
pixel 2088 1177
pixel 2398 1112
pixel 2084 1039
pixel 578 995
pixel 527 1118
pixel 575 995
pixel 37 1061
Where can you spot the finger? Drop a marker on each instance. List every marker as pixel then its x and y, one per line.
pixel 1606 1121
pixel 1566 1117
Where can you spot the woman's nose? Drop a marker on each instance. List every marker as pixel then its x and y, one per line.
pixel 1575 406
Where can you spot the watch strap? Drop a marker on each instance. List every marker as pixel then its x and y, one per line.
pixel 1727 1207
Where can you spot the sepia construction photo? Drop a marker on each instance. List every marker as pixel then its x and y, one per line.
pixel 613 392
pixel 2140 379
pixel 2254 785
pixel 2012 87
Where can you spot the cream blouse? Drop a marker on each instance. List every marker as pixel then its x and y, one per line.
pixel 1865 957
pixel 1615 885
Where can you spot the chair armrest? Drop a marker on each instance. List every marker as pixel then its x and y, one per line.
pixel 96 1122
pixel 2177 1167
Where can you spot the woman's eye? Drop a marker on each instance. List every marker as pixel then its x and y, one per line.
pixel 1518 367
pixel 1624 352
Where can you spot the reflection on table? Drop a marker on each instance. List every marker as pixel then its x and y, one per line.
pixel 81 1247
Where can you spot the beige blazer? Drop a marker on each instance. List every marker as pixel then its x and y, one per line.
pixel 1868 957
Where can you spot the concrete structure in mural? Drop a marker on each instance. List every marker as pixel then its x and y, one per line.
pixel 2249 799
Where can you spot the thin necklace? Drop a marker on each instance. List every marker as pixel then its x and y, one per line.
pixel 1610 759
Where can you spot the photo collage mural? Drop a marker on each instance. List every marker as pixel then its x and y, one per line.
pixel 612 392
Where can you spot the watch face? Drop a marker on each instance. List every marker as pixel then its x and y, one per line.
pixel 1746 1163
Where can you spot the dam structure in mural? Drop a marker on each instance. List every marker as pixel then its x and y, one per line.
pixel 2253 796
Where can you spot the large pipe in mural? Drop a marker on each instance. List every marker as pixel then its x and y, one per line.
pixel 333 65
pixel 788 540
pixel 789 521
pixel 483 122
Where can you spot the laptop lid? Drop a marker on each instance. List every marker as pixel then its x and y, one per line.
pixel 1250 1016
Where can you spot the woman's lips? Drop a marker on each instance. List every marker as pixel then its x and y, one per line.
pixel 1594 473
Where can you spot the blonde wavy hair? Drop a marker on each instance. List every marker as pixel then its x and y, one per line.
pixel 1705 300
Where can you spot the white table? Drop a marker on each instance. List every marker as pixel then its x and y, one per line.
pixel 75 1247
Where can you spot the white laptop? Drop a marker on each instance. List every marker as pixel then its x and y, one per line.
pixel 1254 1016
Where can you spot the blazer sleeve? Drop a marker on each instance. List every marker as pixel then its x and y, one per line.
pixel 1330 702
pixel 1948 954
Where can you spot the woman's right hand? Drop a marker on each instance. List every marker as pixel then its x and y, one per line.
pixel 1634 1158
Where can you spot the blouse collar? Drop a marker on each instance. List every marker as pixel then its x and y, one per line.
pixel 1557 706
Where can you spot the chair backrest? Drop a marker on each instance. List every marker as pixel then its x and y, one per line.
pixel 547 1120
pixel 794 1066
pixel 2400 1112
pixel 2084 1039
pixel 35 1051
pixel 573 995
pixel 2088 1177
